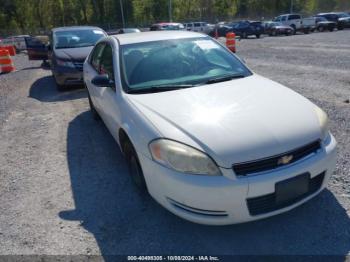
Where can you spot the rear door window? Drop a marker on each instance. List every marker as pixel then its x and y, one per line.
pixel 293 17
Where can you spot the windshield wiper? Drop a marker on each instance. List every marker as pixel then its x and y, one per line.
pixel 76 46
pixel 65 47
pixel 223 78
pixel 159 88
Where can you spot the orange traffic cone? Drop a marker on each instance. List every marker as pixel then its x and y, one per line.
pixel 10 48
pixel 6 63
pixel 231 41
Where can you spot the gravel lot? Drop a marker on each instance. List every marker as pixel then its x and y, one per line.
pixel 64 188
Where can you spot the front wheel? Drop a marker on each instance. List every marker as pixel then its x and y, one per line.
pixel 94 113
pixel 59 87
pixel 257 35
pixel 294 29
pixel 134 167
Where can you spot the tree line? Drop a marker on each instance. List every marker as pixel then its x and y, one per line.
pixel 25 16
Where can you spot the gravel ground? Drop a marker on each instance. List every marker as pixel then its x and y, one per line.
pixel 65 190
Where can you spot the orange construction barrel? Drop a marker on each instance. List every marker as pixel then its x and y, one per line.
pixel 10 48
pixel 6 64
pixel 231 41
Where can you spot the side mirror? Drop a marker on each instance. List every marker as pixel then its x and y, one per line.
pixel 102 81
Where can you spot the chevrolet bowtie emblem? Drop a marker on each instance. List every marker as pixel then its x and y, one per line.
pixel 284 160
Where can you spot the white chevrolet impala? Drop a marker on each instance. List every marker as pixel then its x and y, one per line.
pixel 210 140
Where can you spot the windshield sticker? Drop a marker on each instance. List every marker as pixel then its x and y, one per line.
pixel 206 44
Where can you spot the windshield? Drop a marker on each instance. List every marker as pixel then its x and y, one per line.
pixel 321 19
pixel 77 38
pixel 342 15
pixel 179 62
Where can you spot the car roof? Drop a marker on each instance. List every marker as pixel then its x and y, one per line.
pixel 125 39
pixel 166 23
pixel 68 28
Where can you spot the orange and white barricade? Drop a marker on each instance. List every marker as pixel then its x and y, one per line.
pixel 6 63
pixel 231 41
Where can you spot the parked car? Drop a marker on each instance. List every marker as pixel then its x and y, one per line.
pixel 344 20
pixel 323 24
pixel 199 27
pixel 18 41
pixel 276 28
pixel 247 28
pixel 341 19
pixel 297 22
pixel 67 51
pixel 167 26
pixel 207 138
pixel 222 30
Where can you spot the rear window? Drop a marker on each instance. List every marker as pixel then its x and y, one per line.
pixel 292 17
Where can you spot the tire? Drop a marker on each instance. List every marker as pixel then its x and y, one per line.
pixel 60 88
pixel 340 27
pixel 294 29
pixel 257 36
pixel 134 167
pixel 93 110
pixel 274 33
pixel 321 29
pixel 244 35
pixel 331 29
pixel 307 31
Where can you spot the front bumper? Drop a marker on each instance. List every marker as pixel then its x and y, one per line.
pixel 68 76
pixel 222 200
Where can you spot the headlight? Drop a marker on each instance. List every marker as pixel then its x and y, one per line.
pixel 182 158
pixel 323 120
pixel 64 63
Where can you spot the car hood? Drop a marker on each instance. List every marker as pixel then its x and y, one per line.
pixel 235 121
pixel 74 54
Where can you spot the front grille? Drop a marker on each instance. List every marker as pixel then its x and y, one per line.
pixel 79 65
pixel 243 169
pixel 267 203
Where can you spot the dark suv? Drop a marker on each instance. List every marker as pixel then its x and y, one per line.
pixel 247 28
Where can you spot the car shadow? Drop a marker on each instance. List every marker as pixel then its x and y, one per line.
pixel 44 89
pixel 124 222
